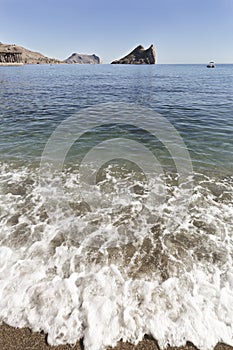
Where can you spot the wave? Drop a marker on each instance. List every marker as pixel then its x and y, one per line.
pixel 136 260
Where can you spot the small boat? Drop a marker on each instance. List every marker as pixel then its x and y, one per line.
pixel 210 65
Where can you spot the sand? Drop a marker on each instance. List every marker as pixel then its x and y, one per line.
pixel 23 339
pixel 10 64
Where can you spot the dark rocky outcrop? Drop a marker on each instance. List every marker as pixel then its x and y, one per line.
pixel 83 59
pixel 11 53
pixel 7 57
pixel 139 56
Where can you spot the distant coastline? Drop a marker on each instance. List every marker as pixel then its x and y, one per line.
pixel 11 64
pixel 11 54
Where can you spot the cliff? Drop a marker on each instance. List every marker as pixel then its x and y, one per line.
pixel 83 59
pixel 139 56
pixel 10 54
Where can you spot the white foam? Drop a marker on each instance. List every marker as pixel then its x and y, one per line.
pixel 49 282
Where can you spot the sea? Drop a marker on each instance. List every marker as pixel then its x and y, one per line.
pixel 116 203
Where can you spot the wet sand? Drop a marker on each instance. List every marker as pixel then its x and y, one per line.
pixel 23 339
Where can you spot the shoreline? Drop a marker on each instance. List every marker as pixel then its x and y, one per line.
pixel 24 339
pixel 10 64
pixel 28 64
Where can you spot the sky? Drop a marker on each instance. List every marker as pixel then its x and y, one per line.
pixel 183 31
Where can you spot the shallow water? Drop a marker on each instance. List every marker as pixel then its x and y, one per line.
pixel 116 202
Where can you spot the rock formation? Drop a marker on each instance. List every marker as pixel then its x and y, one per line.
pixel 139 56
pixel 83 59
pixel 14 54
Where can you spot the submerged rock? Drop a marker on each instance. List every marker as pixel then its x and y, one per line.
pixel 83 59
pixel 139 56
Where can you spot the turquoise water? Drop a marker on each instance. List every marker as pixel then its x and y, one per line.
pixel 197 101
pixel 116 203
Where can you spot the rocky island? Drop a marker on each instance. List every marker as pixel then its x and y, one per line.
pixel 11 54
pixel 139 56
pixel 83 59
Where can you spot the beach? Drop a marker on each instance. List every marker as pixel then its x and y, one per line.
pixel 116 175
pixel 10 64
pixel 23 339
pixel 116 203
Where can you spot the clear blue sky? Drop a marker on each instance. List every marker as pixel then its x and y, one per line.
pixel 183 31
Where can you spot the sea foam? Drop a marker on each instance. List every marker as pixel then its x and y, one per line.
pixel 121 271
